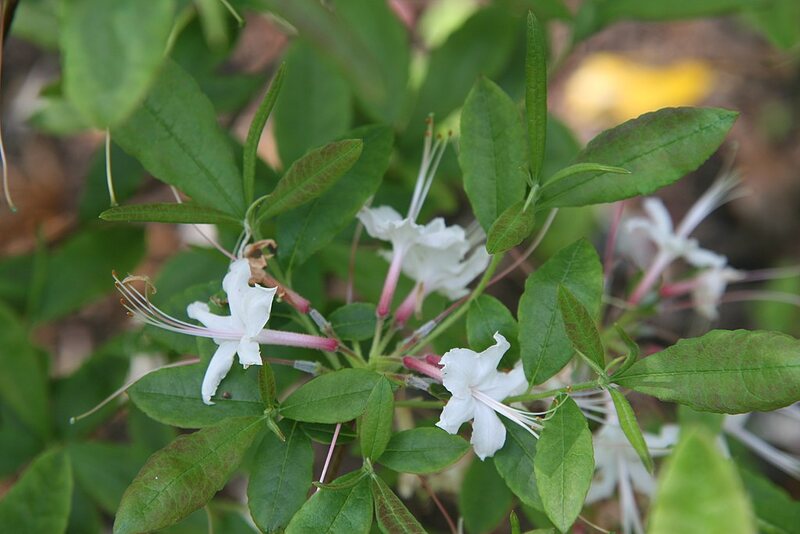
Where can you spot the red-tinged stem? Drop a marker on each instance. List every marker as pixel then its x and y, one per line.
pixel 438 504
pixel 330 454
pixel 423 367
pixel 389 286
pixel 678 288
pixel 294 339
pixel 650 277
pixel 407 308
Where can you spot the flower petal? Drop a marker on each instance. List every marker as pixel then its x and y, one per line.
pixel 486 368
pixel 604 482
pixel 488 432
pixel 236 283
pixel 218 367
pixel 459 371
pixel 456 412
pixel 249 352
pixel 257 304
pixel 377 221
pixel 218 325
pixel 504 385
pixel 658 214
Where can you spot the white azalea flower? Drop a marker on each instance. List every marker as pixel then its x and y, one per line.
pixel 709 288
pixel 240 333
pixel 734 426
pixel 619 468
pixel 478 389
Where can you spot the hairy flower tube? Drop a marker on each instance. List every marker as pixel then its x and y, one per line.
pixel 674 243
pixel 240 333
pixel 478 389
pixel 415 247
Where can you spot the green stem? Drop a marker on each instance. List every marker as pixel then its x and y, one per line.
pixel 418 404
pixel 266 384
pixel 376 339
pixel 553 392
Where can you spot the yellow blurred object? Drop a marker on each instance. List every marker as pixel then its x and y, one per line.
pixel 607 89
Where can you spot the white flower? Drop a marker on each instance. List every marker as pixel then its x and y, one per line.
pixel 478 390
pixel 734 426
pixel 619 468
pixel 709 288
pixel 250 308
pixel 240 333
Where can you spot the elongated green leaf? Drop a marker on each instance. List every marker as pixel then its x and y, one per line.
pixel 480 47
pixel 175 135
pixel 657 148
pixel 355 321
pixel 578 168
pixel 564 463
pixel 375 427
pixel 512 227
pixel 581 329
pixel 543 339
pixel 492 152
pixel 172 396
pixel 348 509
pixel 167 213
pixel 536 95
pixel 484 500
pixel 393 516
pixel 23 382
pixel 312 175
pixel 487 315
pixel 105 75
pixel 699 491
pixel 280 478
pixel 307 229
pixel 331 398
pixel 514 462
pixel 422 450
pixel 629 425
pixel 250 152
pixel 315 106
pixel 39 503
pixel 724 371
pixel 775 510
pixel 185 475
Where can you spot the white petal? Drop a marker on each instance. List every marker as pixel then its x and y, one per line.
pixel 666 438
pixel 505 385
pixel 700 257
pixel 436 234
pixel 257 304
pixel 236 283
pixel 378 221
pixel 218 367
pixel 218 324
pixel 249 353
pixel 487 361
pixel 642 480
pixel 604 483
pixel 658 214
pixel 459 371
pixel 456 412
pixel 488 432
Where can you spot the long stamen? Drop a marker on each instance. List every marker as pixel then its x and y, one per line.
pixel 530 424
pixel 724 189
pixel 416 201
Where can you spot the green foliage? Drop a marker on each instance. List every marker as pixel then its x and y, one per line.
pixel 355 321
pixel 39 503
pixel 512 227
pixel 543 338
pixel 167 213
pixel 515 463
pixel 106 76
pixel 492 155
pixel 331 398
pixel 183 476
pixel 536 96
pixel 564 463
pixel 375 426
pixel 344 507
pixel 629 425
pixel 484 500
pixel 487 315
pixel 422 450
pixel 581 330
pixel 699 490
pixel 392 515
pixel 724 371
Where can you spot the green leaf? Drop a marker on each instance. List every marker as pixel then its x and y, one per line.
pixel 80 271
pixel 512 227
pixel 331 398
pixel 104 470
pixel 564 463
pixel 174 133
pixel 422 450
pixel 480 47
pixel 111 53
pixel 314 107
pixel 250 152
pixel 536 96
pixel 487 315
pixel 185 475
pixel 581 330
pixel 172 396
pixel 543 340
pixel 355 322
pixel 375 427
pixel 484 500
pixel 578 168
pixel 724 371
pixel 775 510
pixel 393 516
pixel 657 148
pixel 348 509
pixel 699 491
pixel 629 425
pixel 307 229
pixel 515 463
pixel 39 502
pixel 492 152
pixel 280 477
pixel 311 176
pixel 128 175
pixel 23 382
pixel 185 213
